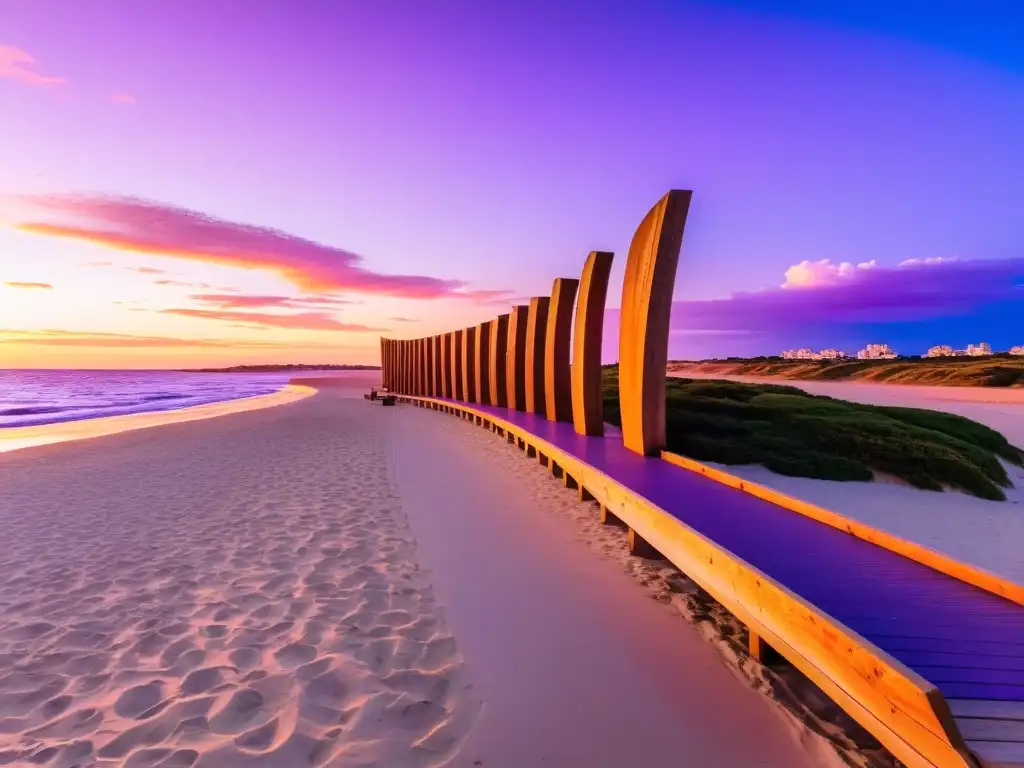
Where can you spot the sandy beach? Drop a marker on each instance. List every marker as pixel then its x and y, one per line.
pixel 333 583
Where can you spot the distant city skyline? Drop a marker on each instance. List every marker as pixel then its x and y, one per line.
pixel 310 177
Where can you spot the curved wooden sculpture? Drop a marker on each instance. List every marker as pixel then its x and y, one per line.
pixel 536 333
pixel 446 365
pixel 643 329
pixel 483 363
pixel 587 398
pixel 469 364
pixel 499 361
pixel 515 375
pixel 557 385
pixel 458 385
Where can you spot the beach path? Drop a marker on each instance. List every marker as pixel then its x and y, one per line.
pixel 334 583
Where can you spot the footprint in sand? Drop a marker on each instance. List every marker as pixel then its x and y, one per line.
pixel 258 739
pixel 139 699
pixel 294 655
pixel 202 680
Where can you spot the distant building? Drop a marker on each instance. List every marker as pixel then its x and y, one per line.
pixel 1018 350
pixel 798 354
pixel 943 350
pixel 876 352
pixel 832 354
pixel 979 350
pixel 807 354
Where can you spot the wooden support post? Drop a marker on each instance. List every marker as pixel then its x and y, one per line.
pixel 556 469
pixel 542 459
pixel 536 334
pixel 483 363
pixel 515 376
pixel 644 325
pixel 760 651
pixel 640 547
pixel 568 480
pixel 531 451
pixel 584 494
pixel 499 361
pixel 609 518
pixel 557 339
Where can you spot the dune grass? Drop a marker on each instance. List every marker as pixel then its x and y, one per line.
pixel 794 433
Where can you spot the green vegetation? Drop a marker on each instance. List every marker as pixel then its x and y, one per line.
pixel 801 435
pixel 1002 370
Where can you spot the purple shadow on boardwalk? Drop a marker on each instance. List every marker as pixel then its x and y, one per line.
pixel 968 642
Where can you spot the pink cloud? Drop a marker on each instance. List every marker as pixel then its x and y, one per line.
pixel 243 301
pixel 183 284
pixel 814 274
pixel 15 284
pixel 309 321
pixel 124 98
pixel 143 226
pixel 16 64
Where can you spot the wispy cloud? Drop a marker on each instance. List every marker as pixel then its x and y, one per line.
pixel 65 338
pixel 16 284
pixel 246 301
pixel 309 321
pixel 124 98
pixel 402 319
pixel 916 289
pixel 16 64
pixel 143 226
pixel 183 284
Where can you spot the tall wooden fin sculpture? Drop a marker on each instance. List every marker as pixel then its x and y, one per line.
pixel 536 335
pixel 587 398
pixel 516 370
pixel 415 344
pixel 557 384
pixel 458 385
pixel 469 364
pixel 424 367
pixel 483 363
pixel 435 367
pixel 643 331
pixel 446 364
pixel 407 366
pixel 499 361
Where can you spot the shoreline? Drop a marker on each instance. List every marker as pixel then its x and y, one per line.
pixel 18 438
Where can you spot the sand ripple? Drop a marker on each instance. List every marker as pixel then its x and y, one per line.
pixel 239 592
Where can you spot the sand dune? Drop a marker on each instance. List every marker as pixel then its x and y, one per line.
pixel 233 592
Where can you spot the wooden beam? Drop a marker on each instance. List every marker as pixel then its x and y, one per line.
pixel 643 330
pixel 499 361
pixel 587 397
pixel 469 364
pixel 516 371
pixel 446 364
pixel 458 390
pixel 557 340
pixel 483 363
pixel 536 333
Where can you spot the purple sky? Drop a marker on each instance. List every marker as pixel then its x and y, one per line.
pixel 454 149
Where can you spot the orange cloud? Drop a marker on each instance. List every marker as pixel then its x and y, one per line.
pixel 309 321
pixel 123 98
pixel 142 226
pixel 63 338
pixel 45 286
pixel 16 64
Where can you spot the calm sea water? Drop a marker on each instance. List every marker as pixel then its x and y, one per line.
pixel 29 398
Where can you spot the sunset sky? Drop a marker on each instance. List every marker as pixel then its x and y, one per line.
pixel 213 182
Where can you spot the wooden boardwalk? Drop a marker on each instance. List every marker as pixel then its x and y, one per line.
pixel 932 665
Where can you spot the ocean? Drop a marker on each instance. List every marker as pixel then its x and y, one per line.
pixel 31 398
